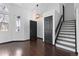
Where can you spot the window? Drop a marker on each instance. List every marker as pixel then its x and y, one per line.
pixel 4 18
pixel 18 24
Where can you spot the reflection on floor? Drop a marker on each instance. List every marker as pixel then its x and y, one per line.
pixel 32 48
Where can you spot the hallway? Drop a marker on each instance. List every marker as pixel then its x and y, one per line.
pixel 32 48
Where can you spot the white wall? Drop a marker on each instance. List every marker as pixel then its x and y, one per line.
pixel 76 5
pixel 76 8
pixel 69 11
pixel 57 18
pixel 25 26
pixel 77 24
pixel 58 14
pixel 12 35
pixel 25 11
pixel 40 28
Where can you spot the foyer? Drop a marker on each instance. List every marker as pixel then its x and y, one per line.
pixel 39 29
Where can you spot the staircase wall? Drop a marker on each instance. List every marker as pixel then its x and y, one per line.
pixel 77 28
pixel 69 13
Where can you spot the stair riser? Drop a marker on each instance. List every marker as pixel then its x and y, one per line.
pixel 68 25
pixel 69 21
pixel 67 35
pixel 73 40
pixel 67 29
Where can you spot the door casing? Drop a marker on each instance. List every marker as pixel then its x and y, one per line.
pixel 33 30
pixel 48 29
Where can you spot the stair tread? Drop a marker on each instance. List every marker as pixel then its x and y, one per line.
pixel 67 33
pixel 64 47
pixel 73 47
pixel 68 25
pixel 73 36
pixel 68 29
pixel 66 43
pixel 66 37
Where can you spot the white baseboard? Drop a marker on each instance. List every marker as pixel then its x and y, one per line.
pixel 13 40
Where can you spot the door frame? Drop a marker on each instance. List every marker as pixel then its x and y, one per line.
pixel 30 29
pixel 52 29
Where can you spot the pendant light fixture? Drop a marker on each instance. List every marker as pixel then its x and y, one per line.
pixel 37 12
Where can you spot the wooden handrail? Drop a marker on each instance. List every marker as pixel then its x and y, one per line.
pixel 59 25
pixel 58 28
pixel 62 16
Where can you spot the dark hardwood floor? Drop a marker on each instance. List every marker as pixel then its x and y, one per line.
pixel 32 48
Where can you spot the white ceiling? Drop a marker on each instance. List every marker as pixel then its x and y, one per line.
pixel 43 7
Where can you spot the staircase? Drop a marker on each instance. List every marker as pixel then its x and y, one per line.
pixel 66 38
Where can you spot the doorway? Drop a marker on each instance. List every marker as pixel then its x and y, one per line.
pixel 33 30
pixel 48 29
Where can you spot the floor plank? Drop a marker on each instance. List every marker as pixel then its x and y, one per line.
pixel 32 48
